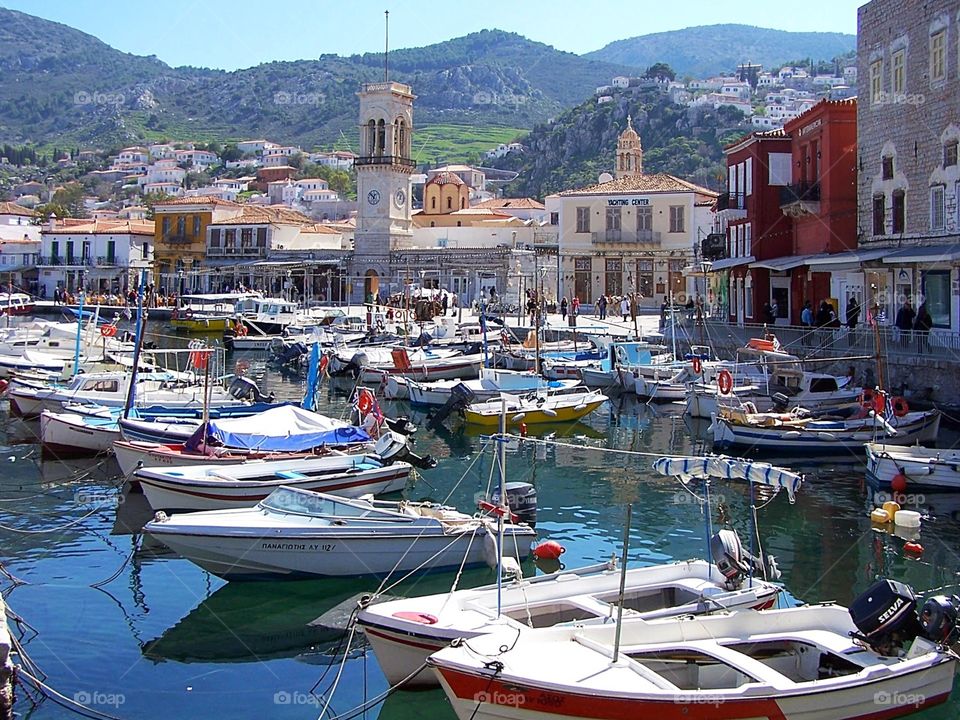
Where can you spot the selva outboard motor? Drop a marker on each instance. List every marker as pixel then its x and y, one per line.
pixel 887 617
pixel 522 501
pixel 243 388
pixel 460 397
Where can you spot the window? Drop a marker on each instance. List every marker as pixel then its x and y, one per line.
pixel 196 225
pixel 614 277
pixel 898 75
pixel 246 237
pixel 613 224
pixel 181 226
pixel 554 218
pixel 145 251
pixel 583 288
pixel 879 210
pixel 230 238
pixel 215 238
pixel 645 278
pixel 449 203
pixel 938 56
pixel 950 154
pixel 583 219
pixel 111 251
pixel 887 167
pixel 676 219
pixel 935 286
pixel 898 208
pixel 69 252
pixel 876 81
pixel 261 237
pixel 748 296
pixel 54 252
pixel 433 203
pixel 166 226
pixel 937 215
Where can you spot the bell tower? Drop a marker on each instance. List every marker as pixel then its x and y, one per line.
pixel 383 173
pixel 629 152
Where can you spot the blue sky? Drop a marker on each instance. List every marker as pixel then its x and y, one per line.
pixel 232 34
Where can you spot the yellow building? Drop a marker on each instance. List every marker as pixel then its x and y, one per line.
pixel 180 239
pixel 446 203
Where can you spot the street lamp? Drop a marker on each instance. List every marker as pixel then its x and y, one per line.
pixel 542 272
pixel 180 281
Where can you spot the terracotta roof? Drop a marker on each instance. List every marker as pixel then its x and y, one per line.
pixel 105 227
pixel 777 134
pixel 199 200
pixel 480 211
pixel 264 214
pixel 320 229
pixel 656 182
pixel 445 178
pixel 513 203
pixel 9 208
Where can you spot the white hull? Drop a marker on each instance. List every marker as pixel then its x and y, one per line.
pixel 65 434
pixel 457 368
pixel 922 467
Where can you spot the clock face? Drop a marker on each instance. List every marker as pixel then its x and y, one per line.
pixel 373 197
pixel 400 198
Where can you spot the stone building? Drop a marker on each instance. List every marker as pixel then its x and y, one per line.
pixel 908 134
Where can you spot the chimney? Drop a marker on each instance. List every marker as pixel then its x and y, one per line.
pixel 52 222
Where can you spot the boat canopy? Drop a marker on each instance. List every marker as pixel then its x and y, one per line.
pixel 286 428
pixel 720 466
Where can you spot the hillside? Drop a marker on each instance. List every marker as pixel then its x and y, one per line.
pixel 574 149
pixel 713 49
pixel 62 85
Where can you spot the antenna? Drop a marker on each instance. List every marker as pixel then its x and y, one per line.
pixel 386 44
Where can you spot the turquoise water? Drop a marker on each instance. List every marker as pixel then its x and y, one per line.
pixel 164 639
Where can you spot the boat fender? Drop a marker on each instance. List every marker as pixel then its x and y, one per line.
pixel 489 548
pixel 3 386
pixel 548 550
pixel 900 406
pixel 880 516
pixel 913 548
pixel 898 483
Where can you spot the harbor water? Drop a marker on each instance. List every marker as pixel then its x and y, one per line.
pixel 130 630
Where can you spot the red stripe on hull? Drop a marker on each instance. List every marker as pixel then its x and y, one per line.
pixel 404 640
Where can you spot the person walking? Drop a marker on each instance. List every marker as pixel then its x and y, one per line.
pixel 575 306
pixel 563 309
pixel 904 321
pixel 625 307
pixel 602 306
pixel 922 326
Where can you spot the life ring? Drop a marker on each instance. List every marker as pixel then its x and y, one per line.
pixel 697 365
pixel 725 382
pixel 866 398
pixel 108 330
pixel 900 406
pixel 879 403
pixel 324 361
pixel 240 329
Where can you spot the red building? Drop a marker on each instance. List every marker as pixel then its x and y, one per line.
pixel 758 167
pixel 822 201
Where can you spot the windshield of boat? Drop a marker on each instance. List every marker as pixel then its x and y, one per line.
pixel 303 502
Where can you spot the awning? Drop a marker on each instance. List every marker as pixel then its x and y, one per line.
pixel 782 263
pixel 846 260
pixel 947 252
pixel 728 263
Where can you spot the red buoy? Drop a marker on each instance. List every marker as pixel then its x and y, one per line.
pixel 523 429
pixel 913 548
pixel 898 483
pixel 548 550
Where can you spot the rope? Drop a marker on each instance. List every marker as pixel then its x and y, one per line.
pixel 56 529
pixel 65 702
pixel 376 700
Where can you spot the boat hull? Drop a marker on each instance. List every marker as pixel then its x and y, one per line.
pixel 534 416
pixel 458 369
pixel 288 555
pixel 923 469
pixel 66 435
pixel 203 325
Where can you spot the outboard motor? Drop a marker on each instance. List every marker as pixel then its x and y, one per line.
pixel 522 501
pixel 401 425
pixel 780 401
pixel 292 353
pixel 243 388
pixel 886 616
pixel 277 347
pixel 352 367
pixel 460 397
pixel 735 563
pixel 394 447
pixel 228 338
pixel 939 619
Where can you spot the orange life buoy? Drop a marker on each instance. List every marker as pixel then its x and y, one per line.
pixel 900 406
pixel 108 330
pixel 725 382
pixel 880 402
pixel 324 361
pixel 200 358
pixel 866 398
pixel 697 365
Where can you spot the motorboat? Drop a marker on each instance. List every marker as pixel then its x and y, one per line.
pixel 535 408
pixel 297 533
pixel 269 316
pixel 794 432
pixel 421 364
pixel 490 383
pixel 879 659
pixel 135 454
pixel 16 303
pixel 216 487
pixel 212 312
pixel 404 632
pixel 920 467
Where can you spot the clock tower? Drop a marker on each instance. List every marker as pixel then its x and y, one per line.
pixel 383 178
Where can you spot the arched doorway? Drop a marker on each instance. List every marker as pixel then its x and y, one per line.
pixel 371 285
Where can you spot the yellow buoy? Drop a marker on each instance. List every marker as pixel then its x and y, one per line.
pixel 879 515
pixel 891 507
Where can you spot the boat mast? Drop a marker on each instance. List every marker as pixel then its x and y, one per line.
pixel 76 347
pixel 504 505
pixel 137 344
pixel 623 581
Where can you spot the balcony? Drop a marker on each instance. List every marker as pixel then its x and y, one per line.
pixel 800 199
pixel 107 261
pixel 385 160
pixel 178 239
pixel 233 251
pixel 733 206
pixel 714 246
pixel 646 238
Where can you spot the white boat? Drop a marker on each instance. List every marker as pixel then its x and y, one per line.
pixel 924 468
pixel 214 487
pixel 296 533
pixel 71 434
pixel 135 454
pixel 490 384
pixel 269 316
pixel 792 664
pixel 422 364
pixel 404 632
pixel 791 433
pixel 606 372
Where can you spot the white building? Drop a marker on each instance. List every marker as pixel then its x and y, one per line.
pixel 198 159
pixel 131 156
pixel 18 222
pixel 106 255
pixel 255 147
pixel 474 178
pixel 161 151
pixel 621 82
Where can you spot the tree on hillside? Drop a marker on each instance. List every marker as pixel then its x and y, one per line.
pixel 660 71
pixel 70 199
pixel 230 153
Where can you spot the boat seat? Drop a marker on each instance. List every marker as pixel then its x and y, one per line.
pixel 290 475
